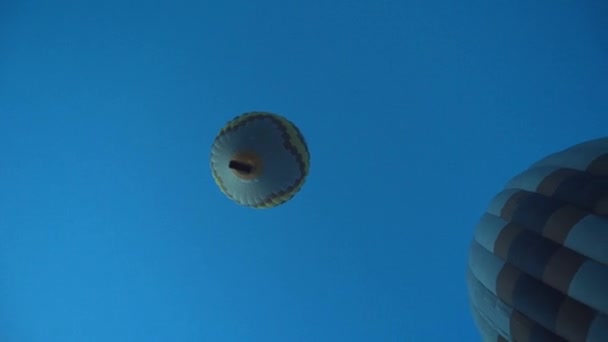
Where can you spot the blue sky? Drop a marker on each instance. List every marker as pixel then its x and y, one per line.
pixel 415 112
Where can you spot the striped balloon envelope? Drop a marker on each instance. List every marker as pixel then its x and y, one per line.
pixel 260 160
pixel 538 264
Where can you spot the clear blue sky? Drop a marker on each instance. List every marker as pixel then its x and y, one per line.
pixel 415 112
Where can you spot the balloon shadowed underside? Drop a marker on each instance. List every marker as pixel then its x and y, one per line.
pixel 260 160
pixel 538 264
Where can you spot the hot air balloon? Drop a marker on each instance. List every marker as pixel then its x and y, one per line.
pixel 260 160
pixel 538 263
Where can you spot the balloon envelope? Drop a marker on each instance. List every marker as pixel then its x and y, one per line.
pixel 260 160
pixel 538 263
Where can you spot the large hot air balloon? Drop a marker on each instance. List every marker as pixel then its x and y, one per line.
pixel 260 160
pixel 538 265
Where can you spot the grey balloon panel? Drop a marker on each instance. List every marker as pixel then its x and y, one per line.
pixel 485 266
pixel 590 237
pixel 590 285
pixel 488 334
pixel 491 315
pixel 599 329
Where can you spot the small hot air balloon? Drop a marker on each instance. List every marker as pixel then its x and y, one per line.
pixel 538 264
pixel 260 160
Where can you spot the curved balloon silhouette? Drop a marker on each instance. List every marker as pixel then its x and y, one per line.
pixel 260 160
pixel 538 263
